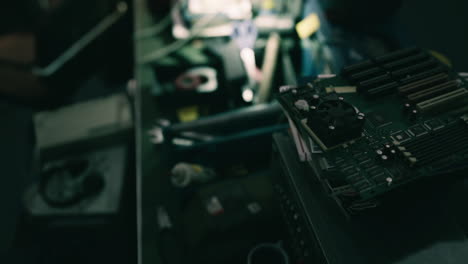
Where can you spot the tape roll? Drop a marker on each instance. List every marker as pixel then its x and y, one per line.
pixel 187 82
pixel 201 79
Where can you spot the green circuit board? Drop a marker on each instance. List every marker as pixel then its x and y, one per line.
pixel 381 124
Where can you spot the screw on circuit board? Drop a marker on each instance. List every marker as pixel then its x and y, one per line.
pixel 413 115
pixel 379 152
pixel 302 105
pixel 389 181
pixel 407 107
pixel 384 157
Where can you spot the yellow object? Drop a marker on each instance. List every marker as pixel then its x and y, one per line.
pixel 197 168
pixel 308 26
pixel 341 89
pixel 441 57
pixel 188 113
pixel 268 4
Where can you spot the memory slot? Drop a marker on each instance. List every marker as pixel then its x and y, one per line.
pixel 449 144
pixel 419 76
pixel 358 67
pixel 367 74
pixel 432 92
pixel 424 83
pixel 433 147
pixel 431 63
pixel 451 128
pixel 459 111
pixel 383 89
pixel 430 159
pixel 432 142
pixel 366 85
pixel 442 100
pixel 397 55
pixel 406 61
pixel 456 146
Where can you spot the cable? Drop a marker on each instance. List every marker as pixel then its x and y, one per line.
pixel 87 39
pixel 159 27
pixel 155 29
pixel 160 53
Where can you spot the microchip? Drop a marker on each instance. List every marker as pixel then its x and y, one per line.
pixel 400 136
pixel 434 124
pixel 377 120
pixel 417 130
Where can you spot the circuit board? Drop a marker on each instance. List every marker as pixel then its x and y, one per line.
pixel 381 124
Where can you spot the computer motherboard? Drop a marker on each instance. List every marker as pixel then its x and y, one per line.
pixel 380 124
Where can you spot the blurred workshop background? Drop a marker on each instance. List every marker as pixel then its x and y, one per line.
pixel 91 92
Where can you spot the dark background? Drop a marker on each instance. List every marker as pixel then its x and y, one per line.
pixel 438 25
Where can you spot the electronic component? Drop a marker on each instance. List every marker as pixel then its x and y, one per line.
pixel 400 136
pixel 434 124
pixel 329 120
pixel 427 148
pixel 317 232
pixel 377 120
pixel 417 130
pixel 403 122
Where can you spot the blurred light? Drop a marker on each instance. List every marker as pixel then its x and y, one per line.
pixel 308 26
pixel 248 58
pixel 122 7
pixel 182 142
pixel 274 22
pixel 233 9
pixel 247 95
pixel 180 32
